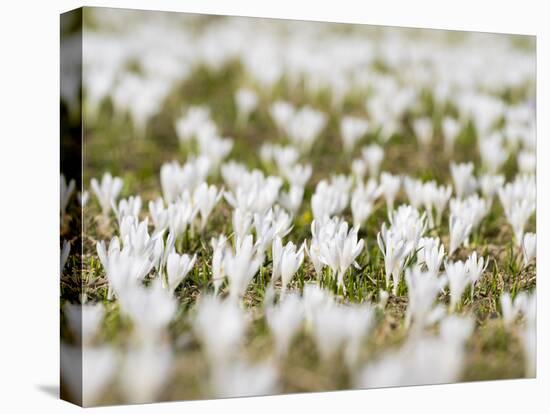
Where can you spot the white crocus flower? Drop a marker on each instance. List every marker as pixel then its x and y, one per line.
pixel 292 199
pixel 527 162
pixel 246 101
pixel 284 320
pixel 459 231
pixel 127 207
pixel 463 179
pixel 177 268
pixel 65 193
pixel 287 260
pixel 159 215
pixel 340 252
pixel 298 174
pixel 84 320
pixel 373 155
pixel 220 325
pixel 490 184
pixel 83 198
pixel 145 371
pixel 362 201
pixel 518 218
pixel 351 130
pixel 395 250
pixel 510 308
pixel 430 253
pixel 475 268
pixel 194 119
pixel 458 279
pixel 242 222
pixel 389 185
pixel 423 131
pixel 435 197
pixel 492 152
pixel 450 128
pixel 150 308
pixel 107 191
pixel 241 265
pixel 422 290
pixel 242 379
pixel 205 199
pixel 219 246
pixel 529 247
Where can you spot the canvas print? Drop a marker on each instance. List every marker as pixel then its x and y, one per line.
pixel 257 206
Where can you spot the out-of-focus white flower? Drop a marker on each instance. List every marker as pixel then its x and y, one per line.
pixel 177 268
pixel 490 184
pixel 389 185
pixel 450 128
pixel 435 197
pixel 287 260
pixel 220 326
pixel 458 278
pixel 215 149
pixel 83 198
pixel 190 125
pixel 253 192
pixel 242 222
pixel 241 265
pixel 65 193
pixel 298 174
pixel 150 308
pixel 64 255
pixel 292 199
pixel 99 365
pixel 519 216
pixel 281 112
pixel 463 179
pixel 84 320
pixel 181 214
pixel 107 191
pixel 284 320
pixel 304 126
pixel 527 162
pixel 218 256
pixel 159 215
pixel 144 372
pixel 359 169
pixel 127 207
pixel 340 251
pixel 408 223
pixel 351 130
pixel 510 308
pixel 373 155
pixel 472 209
pixel 492 152
pixel 241 379
pixel 423 131
pixel 205 199
pixel 475 268
pixel 459 231
pixel 246 101
pixel 529 247
pixel 423 288
pixel 175 179
pixel 329 199
pixel 362 201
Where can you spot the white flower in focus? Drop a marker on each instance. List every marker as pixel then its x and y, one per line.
pixel 475 268
pixel 395 250
pixel 287 260
pixel 241 265
pixel 529 247
pixel 458 279
pixel 177 268
pixel 107 191
pixel 459 231
pixel 430 253
pixel 218 256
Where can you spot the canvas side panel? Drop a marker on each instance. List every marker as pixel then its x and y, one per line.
pixel 71 210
